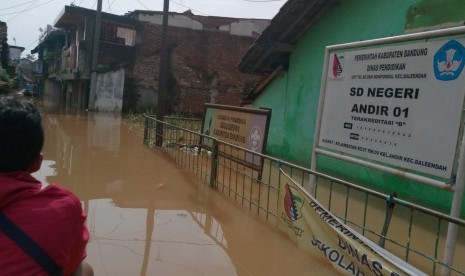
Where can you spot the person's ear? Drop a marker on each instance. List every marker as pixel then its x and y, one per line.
pixel 36 164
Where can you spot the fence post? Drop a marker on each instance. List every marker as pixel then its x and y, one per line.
pixel 387 219
pixel 146 130
pixel 214 164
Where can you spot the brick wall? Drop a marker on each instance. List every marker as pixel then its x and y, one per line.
pixel 3 41
pixel 203 67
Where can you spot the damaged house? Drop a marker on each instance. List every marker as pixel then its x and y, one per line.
pixel 66 56
pixel 204 53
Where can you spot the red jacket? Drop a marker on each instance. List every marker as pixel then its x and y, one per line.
pixel 52 217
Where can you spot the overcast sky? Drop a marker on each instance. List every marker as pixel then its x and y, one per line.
pixel 25 17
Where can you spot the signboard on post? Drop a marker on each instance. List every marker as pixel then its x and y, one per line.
pixel 397 103
pixel 243 127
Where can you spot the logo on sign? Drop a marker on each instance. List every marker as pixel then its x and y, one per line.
pixel 338 67
pixel 291 203
pixel 255 138
pixel 449 61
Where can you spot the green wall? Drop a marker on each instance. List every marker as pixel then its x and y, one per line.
pixel 294 95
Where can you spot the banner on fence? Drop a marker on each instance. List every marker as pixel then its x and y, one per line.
pixel 243 127
pixel 316 230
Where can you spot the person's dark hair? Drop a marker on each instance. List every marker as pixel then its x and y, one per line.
pixel 21 134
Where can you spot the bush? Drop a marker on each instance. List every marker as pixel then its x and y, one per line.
pixel 5 81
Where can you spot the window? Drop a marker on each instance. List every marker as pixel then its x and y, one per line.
pixel 118 33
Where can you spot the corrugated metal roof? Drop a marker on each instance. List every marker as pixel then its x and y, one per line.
pixel 72 15
pixel 273 47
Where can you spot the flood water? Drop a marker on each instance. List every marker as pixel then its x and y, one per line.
pixel 146 216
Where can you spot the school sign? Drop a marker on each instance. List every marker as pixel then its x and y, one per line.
pixel 243 127
pixel 396 103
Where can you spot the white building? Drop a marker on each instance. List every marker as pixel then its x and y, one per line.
pixel 15 54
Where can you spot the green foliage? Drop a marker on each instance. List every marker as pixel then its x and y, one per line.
pixel 4 75
pixel 137 117
pixel 194 124
pixel 5 81
pixel 30 57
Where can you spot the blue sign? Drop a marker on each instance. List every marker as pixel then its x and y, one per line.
pixel 449 61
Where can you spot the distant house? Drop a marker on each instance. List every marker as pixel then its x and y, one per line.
pixel 204 52
pixel 65 57
pixel 15 54
pixel 14 58
pixel 51 43
pixel 116 53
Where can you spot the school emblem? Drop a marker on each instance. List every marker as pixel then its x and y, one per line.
pixel 292 204
pixel 449 61
pixel 255 138
pixel 337 67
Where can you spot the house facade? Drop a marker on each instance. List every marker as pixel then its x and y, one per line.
pixel 15 54
pixel 293 65
pixel 203 58
pixel 65 57
pixel 203 55
pixel 51 43
pixel 202 68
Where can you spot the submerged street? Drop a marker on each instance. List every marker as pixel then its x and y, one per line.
pixel 146 216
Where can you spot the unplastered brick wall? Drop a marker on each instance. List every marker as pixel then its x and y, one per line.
pixel 203 66
pixel 3 33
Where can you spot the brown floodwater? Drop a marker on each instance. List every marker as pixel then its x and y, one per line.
pixel 146 216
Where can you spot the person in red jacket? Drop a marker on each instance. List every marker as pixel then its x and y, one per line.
pixel 42 229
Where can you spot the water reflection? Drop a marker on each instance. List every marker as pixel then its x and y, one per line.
pixel 147 216
pixel 154 242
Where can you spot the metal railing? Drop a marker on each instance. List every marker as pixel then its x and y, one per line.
pixel 414 233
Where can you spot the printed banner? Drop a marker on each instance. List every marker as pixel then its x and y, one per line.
pixel 399 104
pixel 316 230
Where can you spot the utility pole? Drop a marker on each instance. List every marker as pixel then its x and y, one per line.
pixel 95 50
pixel 163 75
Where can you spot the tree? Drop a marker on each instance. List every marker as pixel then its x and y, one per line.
pixel 5 81
pixel 30 57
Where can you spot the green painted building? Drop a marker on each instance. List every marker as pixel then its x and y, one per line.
pixel 290 55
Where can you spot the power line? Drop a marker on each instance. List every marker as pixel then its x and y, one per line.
pixel 19 5
pixel 109 5
pixel 143 4
pixel 32 43
pixel 182 5
pixel 25 10
pixel 30 8
pixel 112 2
pixel 19 12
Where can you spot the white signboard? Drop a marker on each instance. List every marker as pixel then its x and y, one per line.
pixel 397 104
